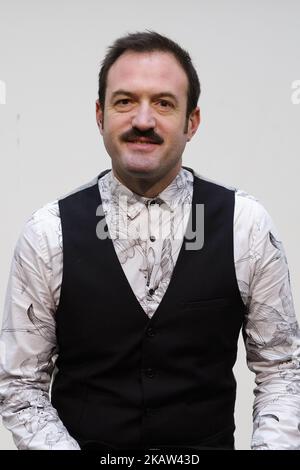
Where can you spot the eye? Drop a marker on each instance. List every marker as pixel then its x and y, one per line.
pixel 165 104
pixel 123 102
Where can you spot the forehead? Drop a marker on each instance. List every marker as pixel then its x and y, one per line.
pixel 147 72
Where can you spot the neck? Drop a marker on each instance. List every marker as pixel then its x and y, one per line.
pixel 147 187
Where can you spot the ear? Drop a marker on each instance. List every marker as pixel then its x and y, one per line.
pixel 193 123
pixel 99 116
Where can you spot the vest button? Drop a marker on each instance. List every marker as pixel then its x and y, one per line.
pixel 150 373
pixel 152 238
pixel 151 332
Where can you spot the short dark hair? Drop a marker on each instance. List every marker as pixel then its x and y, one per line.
pixel 149 41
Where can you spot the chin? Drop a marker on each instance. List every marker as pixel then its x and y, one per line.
pixel 140 171
pixel 138 167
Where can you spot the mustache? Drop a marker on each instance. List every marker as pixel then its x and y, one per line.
pixel 134 133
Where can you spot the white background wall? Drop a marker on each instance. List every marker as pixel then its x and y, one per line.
pixel 247 54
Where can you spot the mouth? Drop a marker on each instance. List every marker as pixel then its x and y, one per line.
pixel 142 144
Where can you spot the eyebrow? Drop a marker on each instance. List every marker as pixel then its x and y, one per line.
pixel 165 94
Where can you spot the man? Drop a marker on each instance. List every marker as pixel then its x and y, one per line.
pixel 142 316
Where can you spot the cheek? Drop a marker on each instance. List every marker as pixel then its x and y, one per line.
pixel 116 123
pixel 111 134
pixel 174 127
pixel 175 135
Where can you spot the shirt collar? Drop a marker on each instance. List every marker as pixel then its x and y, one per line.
pixel 179 191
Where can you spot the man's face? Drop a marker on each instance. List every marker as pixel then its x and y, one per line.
pixel 144 120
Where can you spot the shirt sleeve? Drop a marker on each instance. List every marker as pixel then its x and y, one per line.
pixel 272 340
pixel 28 347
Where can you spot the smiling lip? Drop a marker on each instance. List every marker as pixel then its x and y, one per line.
pixel 142 145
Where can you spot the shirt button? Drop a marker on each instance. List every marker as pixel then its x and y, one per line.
pixel 151 332
pixel 151 291
pixel 153 202
pixel 152 238
pixel 150 373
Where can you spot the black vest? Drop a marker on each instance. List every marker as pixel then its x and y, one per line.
pixel 132 382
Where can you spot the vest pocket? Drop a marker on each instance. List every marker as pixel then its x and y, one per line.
pixel 221 440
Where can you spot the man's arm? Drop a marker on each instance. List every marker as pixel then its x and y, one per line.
pixel 272 340
pixel 28 346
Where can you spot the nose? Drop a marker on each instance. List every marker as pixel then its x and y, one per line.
pixel 143 118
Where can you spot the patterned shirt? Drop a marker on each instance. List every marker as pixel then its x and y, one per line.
pixel 147 234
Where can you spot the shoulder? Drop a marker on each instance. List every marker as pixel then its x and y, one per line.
pixel 212 186
pixel 250 214
pixel 48 215
pixel 83 187
pixel 42 230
